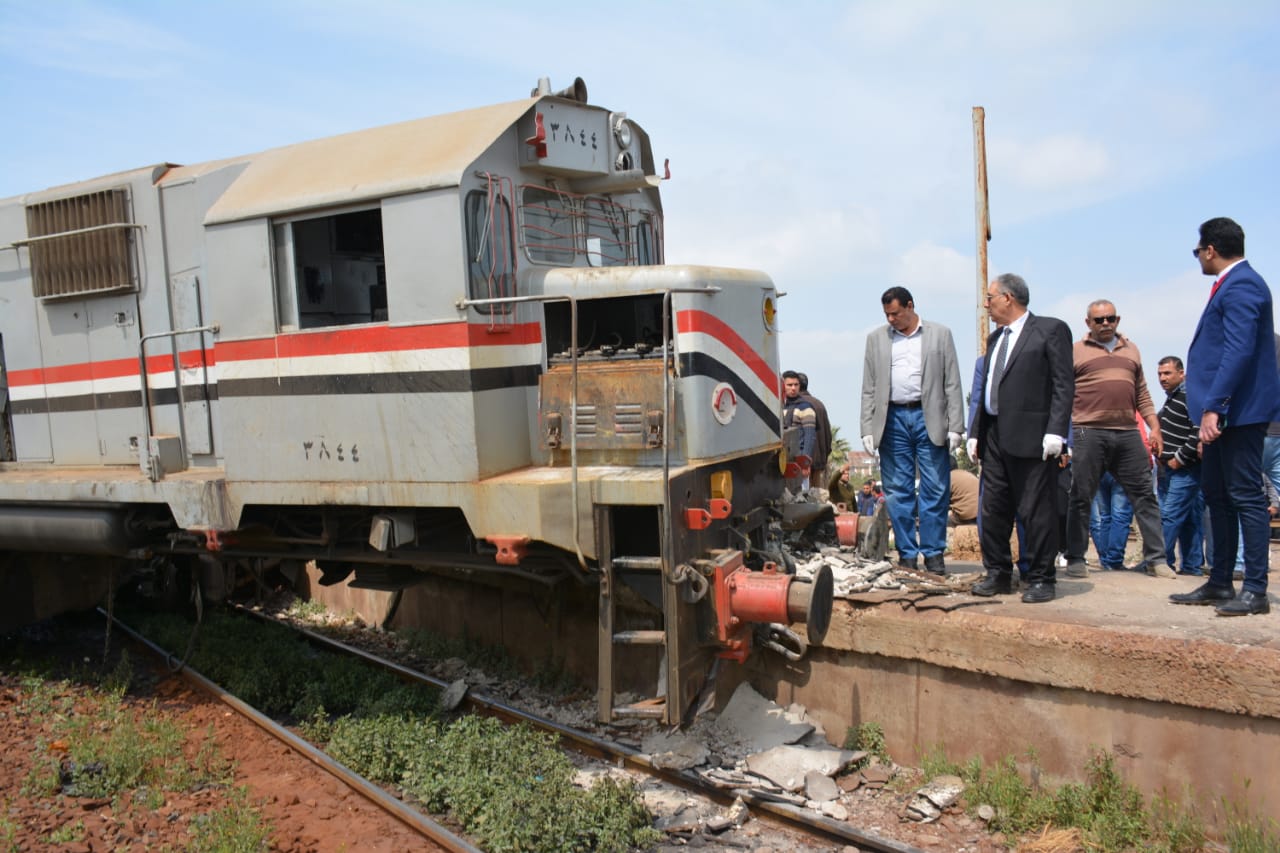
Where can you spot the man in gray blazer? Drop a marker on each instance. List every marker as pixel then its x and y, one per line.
pixel 913 414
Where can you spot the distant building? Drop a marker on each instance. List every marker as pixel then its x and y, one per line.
pixel 862 465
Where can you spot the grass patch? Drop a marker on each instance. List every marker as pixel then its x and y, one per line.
pixel 235 828
pixel 1245 835
pixel 1108 812
pixel 867 737
pixel 68 833
pixel 281 674
pixel 509 787
pixel 103 746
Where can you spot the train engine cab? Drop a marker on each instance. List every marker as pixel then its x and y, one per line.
pixel 450 342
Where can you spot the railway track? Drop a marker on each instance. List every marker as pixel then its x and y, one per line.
pixel 439 836
pixel 781 814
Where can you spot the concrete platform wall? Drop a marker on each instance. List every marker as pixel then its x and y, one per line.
pixel 995 688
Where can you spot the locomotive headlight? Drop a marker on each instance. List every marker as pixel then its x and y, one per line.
pixel 622 130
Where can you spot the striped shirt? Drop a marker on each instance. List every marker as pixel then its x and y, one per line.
pixel 1181 436
pixel 1110 386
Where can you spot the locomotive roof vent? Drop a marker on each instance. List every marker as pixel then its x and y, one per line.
pixel 576 92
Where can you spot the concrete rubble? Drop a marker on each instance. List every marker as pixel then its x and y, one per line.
pixel 755 745
pixel 934 798
pixel 860 573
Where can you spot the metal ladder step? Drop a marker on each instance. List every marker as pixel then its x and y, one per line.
pixel 653 564
pixel 640 638
pixel 647 709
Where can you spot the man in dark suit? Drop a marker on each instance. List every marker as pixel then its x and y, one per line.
pixel 1023 419
pixel 1234 390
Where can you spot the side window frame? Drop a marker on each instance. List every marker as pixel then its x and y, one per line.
pixel 491 262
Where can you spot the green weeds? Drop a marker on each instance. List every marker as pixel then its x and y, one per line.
pixel 1109 812
pixel 234 828
pixel 869 738
pixel 509 787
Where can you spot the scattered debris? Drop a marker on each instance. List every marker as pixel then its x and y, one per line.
pixel 757 724
pixel 453 695
pixel 929 802
pixel 786 766
pixel 876 775
pixel 675 750
pixel 819 787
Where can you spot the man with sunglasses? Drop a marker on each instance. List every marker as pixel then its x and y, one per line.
pixel 1233 387
pixel 1110 387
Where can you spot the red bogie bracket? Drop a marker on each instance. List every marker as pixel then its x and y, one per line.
pixel 696 518
pixel 511 549
pixel 743 597
pixel 847 528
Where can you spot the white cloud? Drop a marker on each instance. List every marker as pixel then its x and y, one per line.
pixel 1052 162
pixel 94 42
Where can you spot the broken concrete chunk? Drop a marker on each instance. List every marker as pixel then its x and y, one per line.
pixel 675 750
pixel 930 800
pixel 738 812
pixel 920 809
pixel 717 824
pixel 835 811
pixel 820 787
pixel 453 695
pixel 942 791
pixel 786 766
pixel 757 723
pixel 877 774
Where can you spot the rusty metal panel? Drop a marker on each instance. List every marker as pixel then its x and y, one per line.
pixel 617 402
pixel 385 161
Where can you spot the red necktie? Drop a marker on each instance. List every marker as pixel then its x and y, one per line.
pixel 1216 285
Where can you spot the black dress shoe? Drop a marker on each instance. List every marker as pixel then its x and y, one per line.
pixel 1038 593
pixel 935 564
pixel 1204 594
pixel 992 585
pixel 904 563
pixel 1246 604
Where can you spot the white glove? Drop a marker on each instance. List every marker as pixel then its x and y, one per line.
pixel 869 443
pixel 971 447
pixel 1052 446
pixel 953 441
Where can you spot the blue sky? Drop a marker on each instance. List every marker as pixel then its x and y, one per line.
pixel 828 144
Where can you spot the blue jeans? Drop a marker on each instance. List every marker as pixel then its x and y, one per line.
pixel 1182 513
pixel 1109 522
pixel 905 449
pixel 1271 460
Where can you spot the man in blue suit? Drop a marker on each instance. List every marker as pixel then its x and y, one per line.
pixel 1233 387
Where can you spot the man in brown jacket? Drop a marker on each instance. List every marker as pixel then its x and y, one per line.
pixel 1110 387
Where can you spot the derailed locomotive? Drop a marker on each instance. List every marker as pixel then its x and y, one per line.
pixel 450 341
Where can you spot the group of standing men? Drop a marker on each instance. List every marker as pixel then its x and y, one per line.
pixel 1038 395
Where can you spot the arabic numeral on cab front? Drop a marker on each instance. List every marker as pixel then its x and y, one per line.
pixel 319 450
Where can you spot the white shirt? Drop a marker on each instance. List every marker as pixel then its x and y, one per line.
pixel 906 361
pixel 1228 269
pixel 1015 331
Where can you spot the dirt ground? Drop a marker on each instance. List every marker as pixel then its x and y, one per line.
pixel 306 809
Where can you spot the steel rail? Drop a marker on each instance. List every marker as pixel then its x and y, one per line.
pixel 411 817
pixel 600 748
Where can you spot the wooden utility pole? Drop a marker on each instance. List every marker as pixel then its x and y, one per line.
pixel 982 213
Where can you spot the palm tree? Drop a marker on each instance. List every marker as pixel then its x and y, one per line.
pixel 839 444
